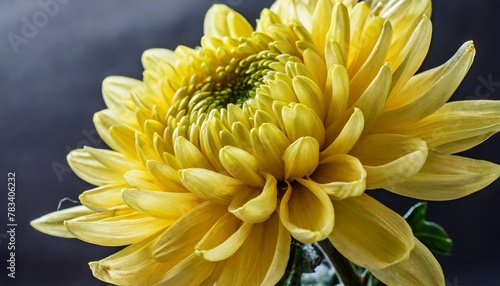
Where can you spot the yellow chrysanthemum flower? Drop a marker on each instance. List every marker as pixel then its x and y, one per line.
pixel 225 152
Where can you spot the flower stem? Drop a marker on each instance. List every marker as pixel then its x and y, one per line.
pixel 343 267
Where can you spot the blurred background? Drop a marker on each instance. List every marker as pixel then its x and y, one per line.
pixel 50 87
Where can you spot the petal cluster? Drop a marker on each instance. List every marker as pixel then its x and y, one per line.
pixel 223 153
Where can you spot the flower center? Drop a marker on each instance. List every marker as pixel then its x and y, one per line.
pixel 234 83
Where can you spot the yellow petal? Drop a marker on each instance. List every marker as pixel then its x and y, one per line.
pixel 426 92
pixel 280 90
pixel 463 144
pixel 348 136
pixel 104 132
pixel 448 129
pixel 365 36
pixel 210 42
pixel 116 90
pixel 53 223
pixel 333 55
pixel 151 128
pixel 132 264
pixel 295 212
pixel 189 156
pixel 242 135
pixel 420 269
pixel 358 18
pixel 144 148
pixel 166 176
pixel 448 177
pixel 259 263
pixel 340 176
pixel 336 93
pixel 214 276
pixel 103 198
pixel 375 61
pixel 369 234
pixel 269 144
pixel 340 28
pixel 404 16
pixel 317 65
pixel 264 103
pixel 262 117
pixel 241 165
pixel 256 207
pixel 113 160
pixel 163 205
pixel 402 11
pixel 122 139
pixel 235 114
pixel 411 57
pixel 91 170
pixel 210 142
pixel 293 10
pixel 191 271
pixel 221 21
pixel 115 228
pixel 224 238
pixel 211 185
pixel 277 107
pixel 171 160
pixel 228 139
pixel 152 85
pixel 278 263
pixel 295 68
pixel 309 94
pixel 301 158
pixel 179 240
pixel 322 15
pixel 372 100
pixel 114 127
pixel 301 121
pixel 141 180
pixel 152 59
pixel 389 159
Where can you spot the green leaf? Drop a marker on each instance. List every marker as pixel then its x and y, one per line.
pixel 430 234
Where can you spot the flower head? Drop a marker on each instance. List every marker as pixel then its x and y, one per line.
pixel 225 152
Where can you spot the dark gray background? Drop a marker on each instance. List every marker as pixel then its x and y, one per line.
pixel 51 87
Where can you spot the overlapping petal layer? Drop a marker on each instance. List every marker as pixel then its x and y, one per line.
pixel 223 153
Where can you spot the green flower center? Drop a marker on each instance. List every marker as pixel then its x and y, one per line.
pixel 234 83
